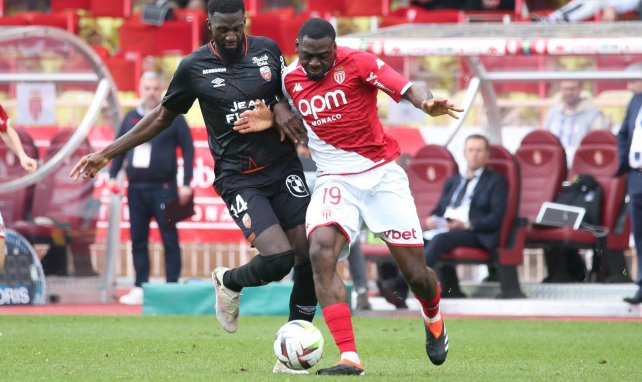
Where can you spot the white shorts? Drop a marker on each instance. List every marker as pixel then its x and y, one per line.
pixel 379 198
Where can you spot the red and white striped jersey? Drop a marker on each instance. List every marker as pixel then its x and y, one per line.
pixel 340 111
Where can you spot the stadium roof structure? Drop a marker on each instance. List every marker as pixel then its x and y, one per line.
pixel 513 41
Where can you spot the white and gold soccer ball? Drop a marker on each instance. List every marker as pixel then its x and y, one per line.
pixel 298 345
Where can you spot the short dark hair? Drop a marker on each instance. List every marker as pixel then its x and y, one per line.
pixel 317 29
pixel 480 137
pixel 225 6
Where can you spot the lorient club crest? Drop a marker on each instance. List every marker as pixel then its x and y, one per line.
pixel 339 75
pixel 266 73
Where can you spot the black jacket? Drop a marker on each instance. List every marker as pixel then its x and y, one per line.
pixel 487 206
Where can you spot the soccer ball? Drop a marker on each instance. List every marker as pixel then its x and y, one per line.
pixel 298 345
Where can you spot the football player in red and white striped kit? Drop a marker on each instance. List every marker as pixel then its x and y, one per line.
pixel 334 90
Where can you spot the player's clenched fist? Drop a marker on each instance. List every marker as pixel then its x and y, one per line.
pixel 88 166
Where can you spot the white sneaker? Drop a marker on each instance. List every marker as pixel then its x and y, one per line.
pixel 227 302
pixel 280 368
pixel 134 297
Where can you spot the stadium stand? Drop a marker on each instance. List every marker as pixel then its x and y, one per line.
pixel 16 205
pixel 63 212
pixel 597 156
pixel 508 254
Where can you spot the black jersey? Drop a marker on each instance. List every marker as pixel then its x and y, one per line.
pixel 224 91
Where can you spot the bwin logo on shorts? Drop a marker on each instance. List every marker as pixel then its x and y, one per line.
pixel 296 186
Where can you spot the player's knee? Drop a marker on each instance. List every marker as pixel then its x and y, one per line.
pixel 320 250
pixel 276 267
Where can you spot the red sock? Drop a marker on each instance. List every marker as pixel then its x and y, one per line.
pixel 430 307
pixel 339 321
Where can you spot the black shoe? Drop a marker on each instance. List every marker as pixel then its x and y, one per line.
pixel 437 348
pixel 344 367
pixel 636 299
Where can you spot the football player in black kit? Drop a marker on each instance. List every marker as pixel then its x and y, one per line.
pixel 258 175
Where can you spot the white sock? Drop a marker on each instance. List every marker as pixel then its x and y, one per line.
pixel 351 356
pixel 431 320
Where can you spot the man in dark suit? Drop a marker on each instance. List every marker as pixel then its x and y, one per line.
pixel 629 144
pixel 469 213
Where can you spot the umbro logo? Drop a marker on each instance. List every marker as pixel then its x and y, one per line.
pixel 298 87
pixel 371 77
pixel 218 82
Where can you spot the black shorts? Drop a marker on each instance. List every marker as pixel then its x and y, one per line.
pixel 276 194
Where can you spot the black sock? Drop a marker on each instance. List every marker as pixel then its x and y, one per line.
pixel 261 270
pixel 303 300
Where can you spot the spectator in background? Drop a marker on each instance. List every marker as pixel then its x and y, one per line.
pixel 629 143
pixel 356 260
pixel 573 117
pixel 151 172
pixel 12 140
pixel 581 10
pixel 469 212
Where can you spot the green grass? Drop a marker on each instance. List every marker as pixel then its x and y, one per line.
pixel 111 348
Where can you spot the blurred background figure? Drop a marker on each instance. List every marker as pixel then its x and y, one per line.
pixel 151 173
pixel 581 10
pixel 573 116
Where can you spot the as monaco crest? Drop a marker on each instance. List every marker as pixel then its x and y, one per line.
pixel 339 75
pixel 266 73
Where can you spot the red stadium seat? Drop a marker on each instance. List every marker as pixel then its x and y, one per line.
pixel 509 253
pixel 111 8
pixel 125 69
pixel 64 212
pixel 16 204
pixel 415 14
pixel 63 20
pixel 62 5
pixel 542 163
pixel 427 173
pixel 285 35
pixel 597 156
pixel 174 36
pixel 366 8
pixel 326 8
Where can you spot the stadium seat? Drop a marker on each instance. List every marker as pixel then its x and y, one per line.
pixel 597 156
pixel 111 8
pixel 125 69
pixel 542 163
pixel 61 5
pixel 509 253
pixel 64 213
pixel 16 204
pixel 174 36
pixel 68 21
pixel 366 8
pixel 427 173
pixel 414 14
pixel 326 8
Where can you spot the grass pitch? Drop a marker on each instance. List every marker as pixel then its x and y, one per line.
pixel 111 348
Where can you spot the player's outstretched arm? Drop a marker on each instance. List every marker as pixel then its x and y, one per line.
pixel 153 123
pixel 422 98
